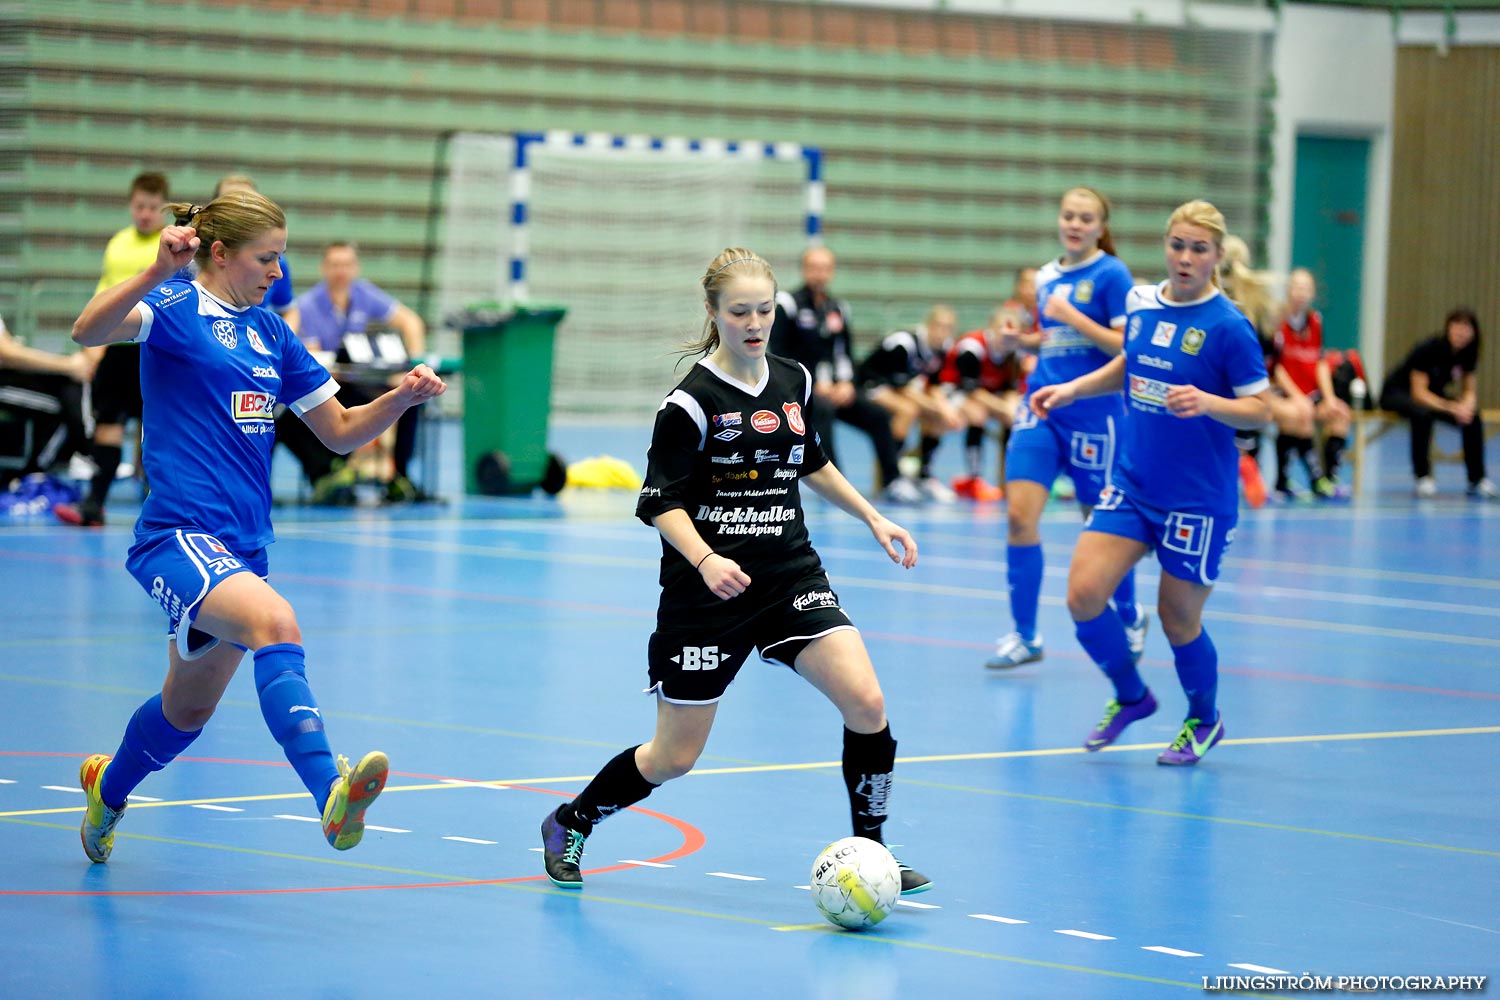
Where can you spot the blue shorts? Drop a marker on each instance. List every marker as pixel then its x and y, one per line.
pixel 1188 546
pixel 178 567
pixel 1040 449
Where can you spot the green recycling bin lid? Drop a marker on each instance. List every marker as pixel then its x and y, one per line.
pixel 481 316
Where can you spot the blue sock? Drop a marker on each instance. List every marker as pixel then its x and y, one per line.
pixel 1023 570
pixel 1198 672
pixel 1125 598
pixel 149 745
pixel 293 717
pixel 1103 638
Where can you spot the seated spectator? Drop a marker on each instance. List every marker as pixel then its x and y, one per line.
pixel 1436 381
pixel 900 376
pixel 812 328
pixel 41 407
pixel 982 376
pixel 1299 342
pixel 331 317
pixel 1250 290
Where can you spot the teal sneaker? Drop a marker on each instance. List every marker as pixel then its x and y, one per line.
pixel 562 849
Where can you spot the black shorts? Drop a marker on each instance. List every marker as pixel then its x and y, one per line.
pixel 117 385
pixel 694 665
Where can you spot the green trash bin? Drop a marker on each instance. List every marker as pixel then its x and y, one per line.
pixel 508 391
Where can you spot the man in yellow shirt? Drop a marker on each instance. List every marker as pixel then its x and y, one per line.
pixel 117 382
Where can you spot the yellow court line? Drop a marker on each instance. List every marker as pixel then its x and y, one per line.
pixel 592 898
pixel 547 780
pixel 338 862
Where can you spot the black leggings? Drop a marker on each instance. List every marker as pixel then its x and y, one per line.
pixel 866 415
pixel 1422 420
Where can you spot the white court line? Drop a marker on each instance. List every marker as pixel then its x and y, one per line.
pixel 738 878
pixel 918 906
pixel 143 798
pixel 61 788
pixel 6 781
pixel 214 808
pixel 384 829
pixel 1263 969
pixel 1171 951
pixel 644 864
pixel 998 920
pixel 299 819
pixel 1086 935
pixel 940 590
pixel 536 849
pixel 807 887
pixel 470 840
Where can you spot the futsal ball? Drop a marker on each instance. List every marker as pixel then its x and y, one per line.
pixel 856 882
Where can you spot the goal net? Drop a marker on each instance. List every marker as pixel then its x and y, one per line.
pixel 618 230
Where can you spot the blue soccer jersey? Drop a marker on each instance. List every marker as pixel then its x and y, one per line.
pixel 211 376
pixel 1098 288
pixel 1173 463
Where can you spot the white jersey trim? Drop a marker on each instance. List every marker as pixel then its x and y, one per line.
pixel 1260 385
pixel 806 638
pixel 691 408
pixel 147 318
pixel 806 396
pixel 656 690
pixel 316 398
pixel 754 390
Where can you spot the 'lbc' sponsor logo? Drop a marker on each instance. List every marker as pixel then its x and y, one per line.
pixel 252 406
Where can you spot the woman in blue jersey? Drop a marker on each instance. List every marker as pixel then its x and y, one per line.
pixel 1082 294
pixel 214 363
pixel 1193 374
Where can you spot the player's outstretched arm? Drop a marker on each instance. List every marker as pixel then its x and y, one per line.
pixel 830 484
pixel 110 316
pixel 344 429
pixel 1105 379
pixel 720 574
pixel 1107 338
pixel 1244 413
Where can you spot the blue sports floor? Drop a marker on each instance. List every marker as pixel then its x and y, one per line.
pixel 495 650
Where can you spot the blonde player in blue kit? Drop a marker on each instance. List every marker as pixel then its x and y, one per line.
pixel 214 363
pixel 1082 298
pixel 1194 374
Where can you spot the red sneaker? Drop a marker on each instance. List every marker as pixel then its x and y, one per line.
pixel 975 488
pixel 82 515
pixel 1255 486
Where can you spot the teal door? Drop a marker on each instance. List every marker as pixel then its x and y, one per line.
pixel 1328 228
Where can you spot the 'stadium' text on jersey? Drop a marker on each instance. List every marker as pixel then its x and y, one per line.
pixel 731 455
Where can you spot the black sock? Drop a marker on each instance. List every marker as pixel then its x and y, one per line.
pixel 869 759
pixel 617 786
pixel 1309 455
pixel 928 447
pixel 107 458
pixel 1285 445
pixel 1333 449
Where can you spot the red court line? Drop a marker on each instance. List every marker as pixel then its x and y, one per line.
pixel 887 636
pixel 692 841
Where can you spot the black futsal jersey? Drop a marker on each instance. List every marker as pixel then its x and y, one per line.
pixel 731 456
